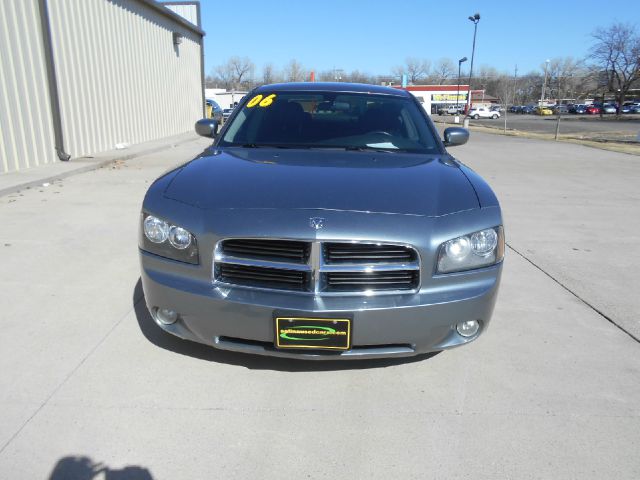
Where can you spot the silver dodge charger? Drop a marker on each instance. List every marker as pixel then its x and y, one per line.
pixel 325 221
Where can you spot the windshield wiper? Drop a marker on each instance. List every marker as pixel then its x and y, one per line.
pixel 366 148
pixel 271 145
pixel 249 145
pixel 351 148
pixel 291 145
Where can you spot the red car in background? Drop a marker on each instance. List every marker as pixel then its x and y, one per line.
pixel 593 110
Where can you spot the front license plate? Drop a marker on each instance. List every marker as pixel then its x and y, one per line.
pixel 316 333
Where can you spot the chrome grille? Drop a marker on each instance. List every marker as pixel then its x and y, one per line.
pixel 316 267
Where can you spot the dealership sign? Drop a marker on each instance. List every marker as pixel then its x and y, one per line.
pixel 448 97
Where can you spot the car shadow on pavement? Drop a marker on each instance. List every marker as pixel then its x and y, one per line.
pixel 83 468
pixel 162 339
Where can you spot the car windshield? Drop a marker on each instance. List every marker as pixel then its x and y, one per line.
pixel 327 120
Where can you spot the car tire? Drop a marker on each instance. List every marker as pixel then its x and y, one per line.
pixel 494 116
pixel 476 116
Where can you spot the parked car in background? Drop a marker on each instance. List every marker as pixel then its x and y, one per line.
pixel 609 108
pixel 514 108
pixel 483 112
pixel 527 109
pixel 226 113
pixel 560 109
pixel 543 111
pixel 630 108
pixel 496 108
pixel 451 110
pixel 578 109
pixel 290 237
pixel 592 110
pixel 213 110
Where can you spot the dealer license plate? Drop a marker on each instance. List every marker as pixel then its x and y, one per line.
pixel 313 333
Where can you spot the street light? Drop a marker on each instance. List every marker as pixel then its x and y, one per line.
pixel 460 62
pixel 475 19
pixel 544 85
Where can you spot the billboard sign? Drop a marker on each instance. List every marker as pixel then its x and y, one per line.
pixel 448 97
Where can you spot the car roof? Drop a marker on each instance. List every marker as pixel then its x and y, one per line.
pixel 332 87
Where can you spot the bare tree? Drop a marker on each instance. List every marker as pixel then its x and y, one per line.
pixel 502 87
pixel 294 72
pixel 211 81
pixel 415 68
pixel 326 76
pixel 568 78
pixel 490 80
pixel 616 52
pixel 268 73
pixel 222 76
pixel 356 76
pixel 529 87
pixel 242 68
pixel 236 73
pixel 443 70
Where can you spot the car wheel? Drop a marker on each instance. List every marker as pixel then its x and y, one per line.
pixel 476 116
pixel 494 116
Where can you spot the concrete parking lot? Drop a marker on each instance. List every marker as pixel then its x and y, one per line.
pixel 89 386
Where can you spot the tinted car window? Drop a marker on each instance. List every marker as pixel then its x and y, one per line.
pixel 332 120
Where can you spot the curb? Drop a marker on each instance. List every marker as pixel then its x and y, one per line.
pixel 90 166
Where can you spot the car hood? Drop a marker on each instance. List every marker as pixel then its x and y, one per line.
pixel 236 178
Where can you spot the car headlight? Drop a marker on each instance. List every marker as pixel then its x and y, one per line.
pixel 166 240
pixel 179 237
pixel 475 250
pixel 155 229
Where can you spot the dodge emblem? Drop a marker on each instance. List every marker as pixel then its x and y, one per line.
pixel 316 222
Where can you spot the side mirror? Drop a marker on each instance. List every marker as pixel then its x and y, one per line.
pixel 454 136
pixel 207 127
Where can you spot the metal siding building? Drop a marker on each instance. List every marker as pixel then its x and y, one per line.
pixel 118 76
pixel 188 10
pixel 26 131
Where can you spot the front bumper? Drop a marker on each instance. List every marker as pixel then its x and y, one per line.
pixel 241 319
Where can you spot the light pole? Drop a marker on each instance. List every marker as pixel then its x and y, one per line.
pixel 460 62
pixel 544 85
pixel 475 19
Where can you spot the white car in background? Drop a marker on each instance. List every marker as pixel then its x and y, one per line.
pixel 483 112
pixel 451 110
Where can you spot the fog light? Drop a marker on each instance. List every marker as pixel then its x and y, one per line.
pixel 468 328
pixel 166 316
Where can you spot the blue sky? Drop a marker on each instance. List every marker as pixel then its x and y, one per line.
pixel 375 36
